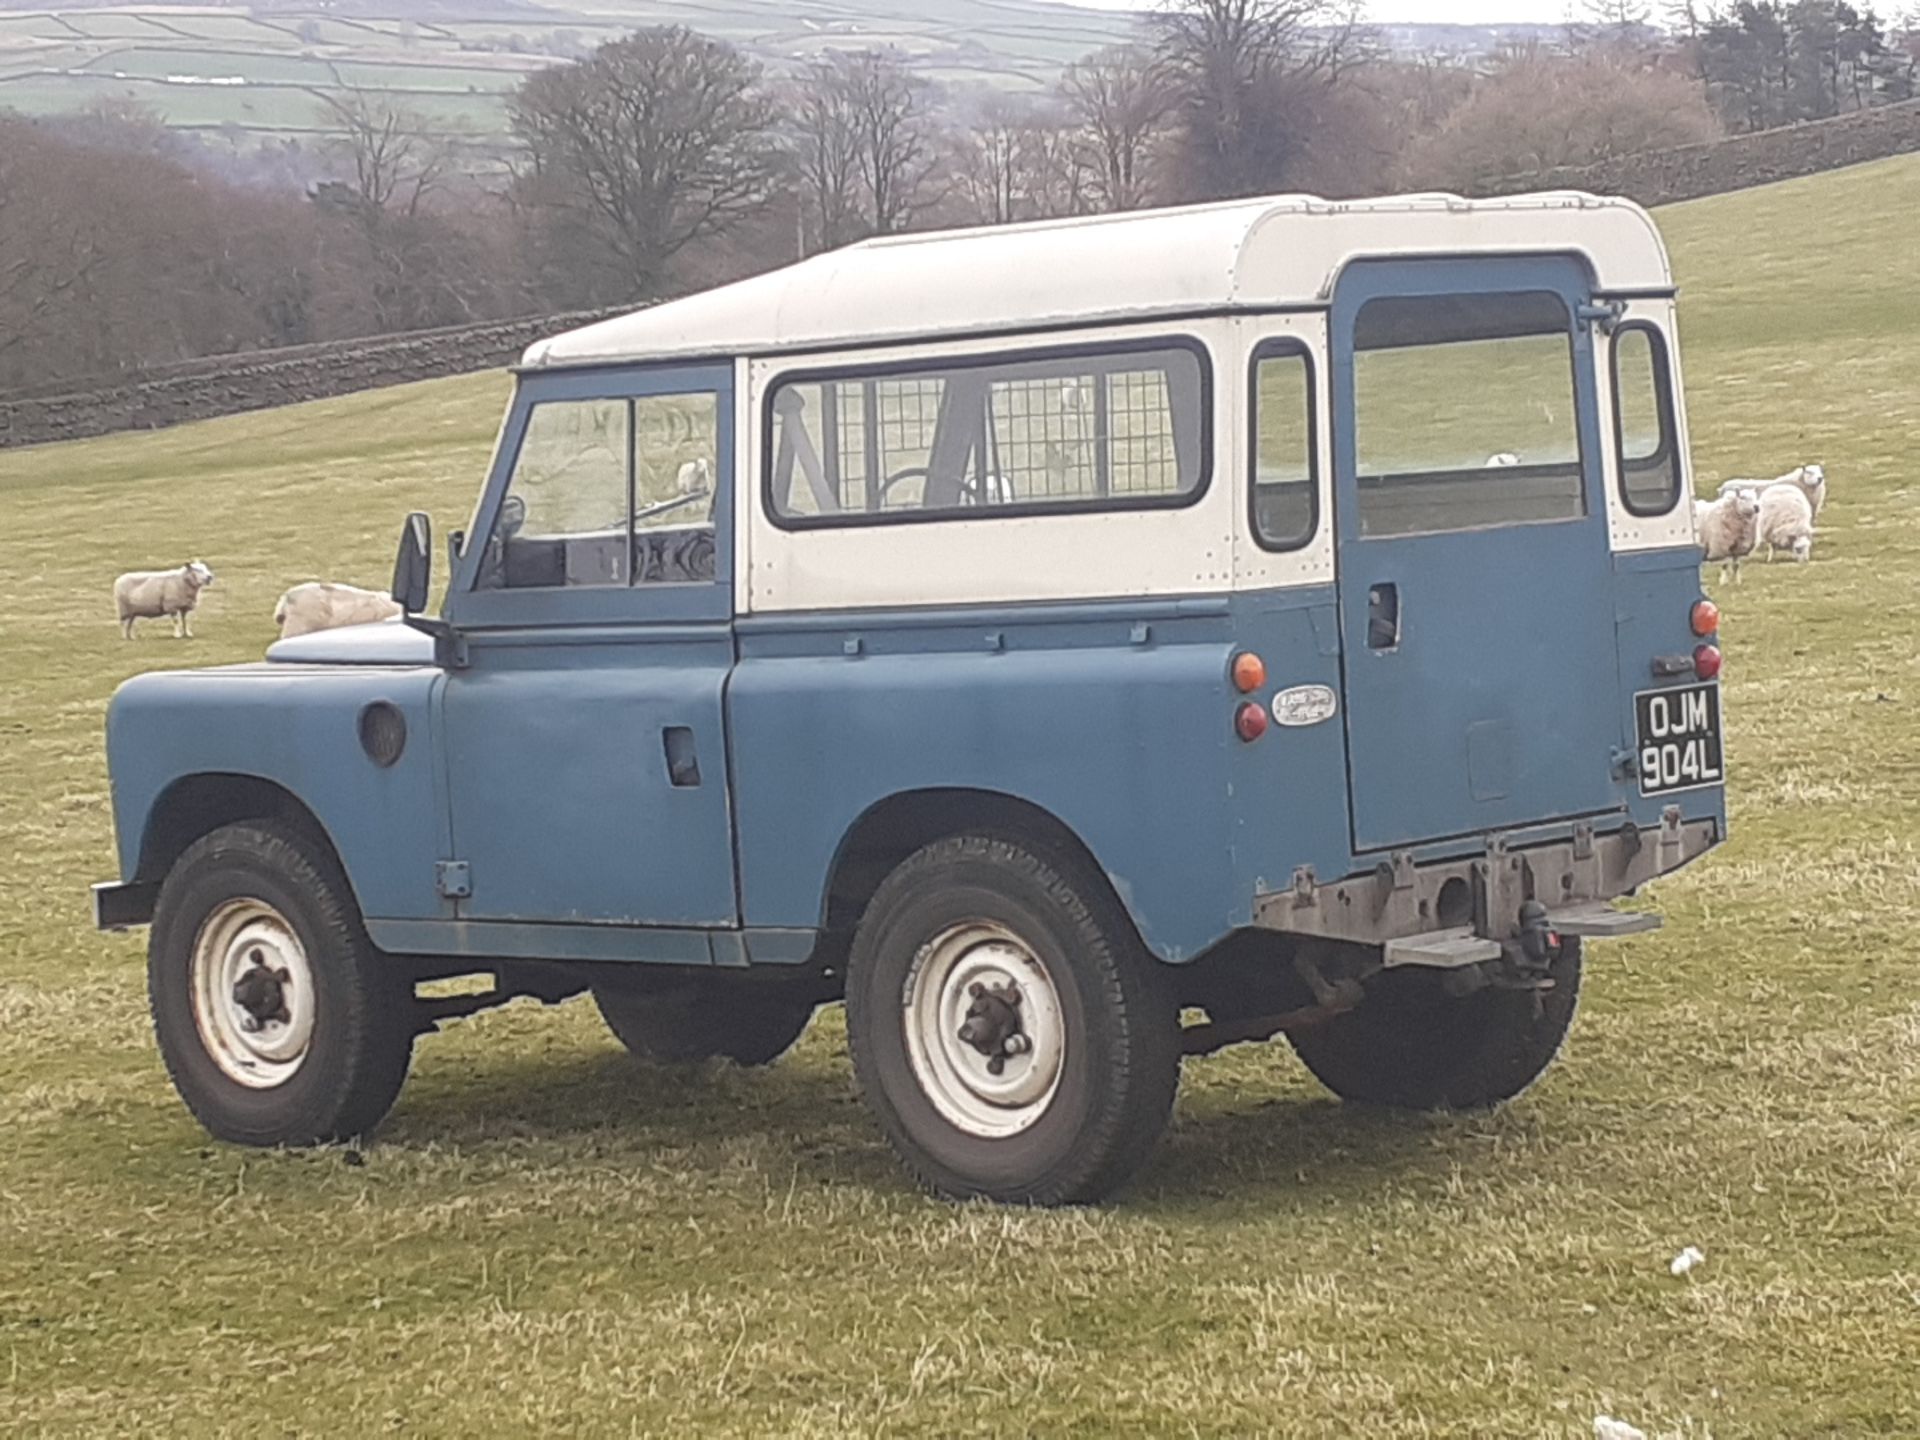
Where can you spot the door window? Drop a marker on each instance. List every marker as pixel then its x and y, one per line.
pixel 1465 413
pixel 609 492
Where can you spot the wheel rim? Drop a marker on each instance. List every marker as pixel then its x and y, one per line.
pixel 253 1000
pixel 985 1035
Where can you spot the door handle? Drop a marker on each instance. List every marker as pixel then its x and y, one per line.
pixel 1383 615
pixel 683 762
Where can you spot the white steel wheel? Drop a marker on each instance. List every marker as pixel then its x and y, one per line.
pixel 984 1031
pixel 253 993
pixel 1009 1032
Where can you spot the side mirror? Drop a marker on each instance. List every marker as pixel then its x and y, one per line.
pixel 413 565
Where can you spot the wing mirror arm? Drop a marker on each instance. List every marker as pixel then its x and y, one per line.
pixel 412 577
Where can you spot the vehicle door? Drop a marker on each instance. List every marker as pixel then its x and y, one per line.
pixel 1473 566
pixel 586 755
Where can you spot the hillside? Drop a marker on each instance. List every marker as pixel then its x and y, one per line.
pixel 549 1238
pixel 243 69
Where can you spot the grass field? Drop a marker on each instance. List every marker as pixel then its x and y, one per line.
pixel 550 1236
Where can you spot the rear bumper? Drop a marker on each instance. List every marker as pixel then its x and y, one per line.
pixel 117 907
pixel 1401 898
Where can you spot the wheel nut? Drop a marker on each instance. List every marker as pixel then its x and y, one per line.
pixel 1016 1045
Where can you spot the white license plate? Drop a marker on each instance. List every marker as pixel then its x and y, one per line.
pixel 1677 738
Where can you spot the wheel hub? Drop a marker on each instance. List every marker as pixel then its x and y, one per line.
pixel 253 993
pixel 984 1029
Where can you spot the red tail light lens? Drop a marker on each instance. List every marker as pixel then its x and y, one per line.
pixel 1249 672
pixel 1706 661
pixel 1706 617
pixel 1250 721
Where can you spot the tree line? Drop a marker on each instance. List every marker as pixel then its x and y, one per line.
pixel 667 160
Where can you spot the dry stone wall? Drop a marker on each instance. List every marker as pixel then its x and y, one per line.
pixel 225 385
pixel 1661 177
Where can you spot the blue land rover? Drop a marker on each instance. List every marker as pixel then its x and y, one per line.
pixel 1073 645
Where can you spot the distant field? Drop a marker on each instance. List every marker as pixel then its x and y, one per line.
pixel 166 56
pixel 550 1239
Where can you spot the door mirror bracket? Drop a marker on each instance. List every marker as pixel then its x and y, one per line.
pixel 412 578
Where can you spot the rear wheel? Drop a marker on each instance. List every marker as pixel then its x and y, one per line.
pixel 1410 1045
pixel 278 1019
pixel 679 1021
pixel 1009 1032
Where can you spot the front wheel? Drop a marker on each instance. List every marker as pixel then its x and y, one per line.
pixel 279 1021
pixel 1009 1031
pixel 1409 1045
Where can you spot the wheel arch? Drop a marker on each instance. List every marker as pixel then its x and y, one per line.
pixel 891 829
pixel 198 804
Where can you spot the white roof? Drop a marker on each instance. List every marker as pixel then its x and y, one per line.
pixel 1277 250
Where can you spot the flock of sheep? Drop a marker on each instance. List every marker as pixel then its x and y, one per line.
pixel 316 605
pixel 1749 514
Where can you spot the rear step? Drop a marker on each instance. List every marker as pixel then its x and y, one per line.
pixel 1449 949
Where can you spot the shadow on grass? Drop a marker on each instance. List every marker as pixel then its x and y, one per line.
pixel 1252 1151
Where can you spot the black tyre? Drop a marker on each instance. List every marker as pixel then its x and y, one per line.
pixel 279 1021
pixel 1411 1046
pixel 981 948
pixel 750 1022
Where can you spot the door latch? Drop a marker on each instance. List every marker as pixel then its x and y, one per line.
pixel 1383 616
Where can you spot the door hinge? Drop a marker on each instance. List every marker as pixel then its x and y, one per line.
pixel 453 879
pixel 1603 315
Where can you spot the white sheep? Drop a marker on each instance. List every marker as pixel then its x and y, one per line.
pixel 1500 459
pixel 1810 480
pixel 149 594
pixel 1728 528
pixel 1786 521
pixel 326 605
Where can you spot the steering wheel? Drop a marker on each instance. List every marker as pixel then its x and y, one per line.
pixel 662 506
pixel 972 489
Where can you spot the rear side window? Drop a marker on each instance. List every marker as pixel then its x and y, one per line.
pixel 1109 428
pixel 1643 425
pixel 1464 413
pixel 1285 500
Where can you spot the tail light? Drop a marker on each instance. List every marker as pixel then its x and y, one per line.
pixel 1705 617
pixel 1250 721
pixel 1706 661
pixel 1249 672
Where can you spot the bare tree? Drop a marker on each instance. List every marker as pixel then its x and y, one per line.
pixel 1021 161
pixel 1245 76
pixel 826 148
pixel 395 159
pixel 650 144
pixel 1120 100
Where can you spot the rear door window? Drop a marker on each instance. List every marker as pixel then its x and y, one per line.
pixel 1465 413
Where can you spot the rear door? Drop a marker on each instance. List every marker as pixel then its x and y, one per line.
pixel 1474 573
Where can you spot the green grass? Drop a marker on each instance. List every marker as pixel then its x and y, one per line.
pixel 550 1237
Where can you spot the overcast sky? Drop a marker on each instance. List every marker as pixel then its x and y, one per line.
pixel 1467 11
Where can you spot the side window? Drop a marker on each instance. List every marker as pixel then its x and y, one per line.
pixel 1464 413
pixel 1111 429
pixel 608 492
pixel 1285 500
pixel 1643 425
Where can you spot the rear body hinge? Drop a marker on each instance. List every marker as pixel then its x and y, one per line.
pixel 452 879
